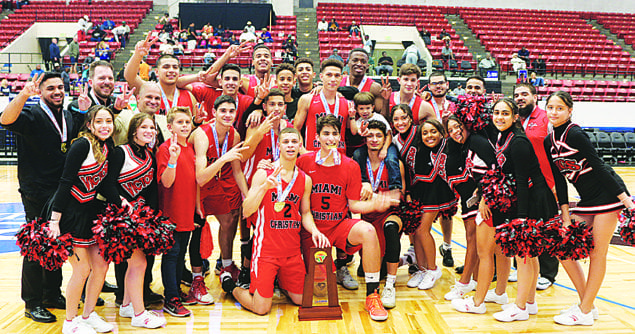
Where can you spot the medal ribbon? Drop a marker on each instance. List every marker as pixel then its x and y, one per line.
pixel 275 149
pixel 336 157
pixel 218 152
pixel 166 102
pixel 374 181
pixel 397 99
pixel 282 195
pixel 63 132
pixel 326 105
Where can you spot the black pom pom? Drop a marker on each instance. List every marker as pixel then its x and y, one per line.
pixel 499 190
pixel 36 245
pixel 627 226
pixel 577 242
pixel 410 214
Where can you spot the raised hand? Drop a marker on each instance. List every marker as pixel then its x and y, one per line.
pixel 208 75
pixel 263 89
pixel 122 100
pixel 235 153
pixel 267 124
pixel 83 101
pixel 33 87
pixel 271 181
pixel 386 89
pixel 254 119
pixel 234 50
pixel 200 115
pixel 363 129
pixel 174 149
pixel 143 47
pixel 423 93
pixel 265 164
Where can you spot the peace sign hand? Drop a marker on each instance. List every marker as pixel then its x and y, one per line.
pixel 234 50
pixel 174 149
pixel 122 100
pixel 263 89
pixel 363 129
pixel 143 47
pixel 386 89
pixel 200 115
pixel 271 181
pixel 83 101
pixel 423 93
pixel 33 87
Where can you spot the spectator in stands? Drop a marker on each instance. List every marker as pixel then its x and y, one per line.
pixel 90 57
pixel 54 53
pixel 354 29
pixel 536 80
pixel 486 64
pixel 459 90
pixel 191 37
pixel 233 41
pixel 84 24
pixel 522 77
pixel 98 34
pixel 368 44
pixel 290 43
pixel 523 54
pixel 182 36
pixel 37 71
pixel 66 79
pixel 122 33
pixel 209 57
pixel 165 19
pixel 227 36
pixel 411 54
pixel 247 36
pixel 108 24
pixel 444 34
pixel 385 64
pixel 166 48
pixel 219 31
pixel 144 69
pixel 336 55
pixel 103 51
pixel 446 51
pixel 426 36
pixel 323 25
pixel 214 42
pixel 265 36
pixel 177 48
pixel 333 26
pixel 5 88
pixel 539 65
pixel 73 53
pixel 517 63
pixel 207 31
pixel 250 28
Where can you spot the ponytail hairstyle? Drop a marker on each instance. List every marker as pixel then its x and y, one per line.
pixel 95 143
pixel 514 108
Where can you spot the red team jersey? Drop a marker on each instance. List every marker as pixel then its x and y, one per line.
pixel 226 177
pixel 183 100
pixel 254 81
pixel 383 187
pixel 317 110
pixel 414 103
pixel 208 95
pixel 364 86
pixel 264 150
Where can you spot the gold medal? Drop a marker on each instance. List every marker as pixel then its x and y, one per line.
pixel 278 206
pixel 63 147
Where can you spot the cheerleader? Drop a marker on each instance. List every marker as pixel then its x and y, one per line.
pixel 433 194
pixel 86 172
pixel 602 195
pixel 136 181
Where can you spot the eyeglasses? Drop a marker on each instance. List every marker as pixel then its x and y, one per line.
pixel 438 83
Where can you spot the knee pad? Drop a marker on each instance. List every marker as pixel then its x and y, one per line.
pixel 393 244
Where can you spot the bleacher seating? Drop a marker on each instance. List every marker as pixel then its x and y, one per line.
pixel 429 17
pixel 592 90
pixel 568 43
pixel 284 26
pixel 56 11
pixel 620 24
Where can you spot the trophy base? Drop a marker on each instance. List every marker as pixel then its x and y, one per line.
pixel 320 313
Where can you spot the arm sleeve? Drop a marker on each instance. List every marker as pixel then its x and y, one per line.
pixel 562 191
pixel 581 141
pixel 521 156
pixel 152 192
pixel 110 186
pixel 74 158
pixel 21 124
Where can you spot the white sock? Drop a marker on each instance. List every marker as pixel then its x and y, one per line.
pixel 195 275
pixel 372 277
pixel 390 280
pixel 227 263
pixel 446 246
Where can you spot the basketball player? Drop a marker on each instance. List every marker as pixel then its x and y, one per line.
pixel 358 66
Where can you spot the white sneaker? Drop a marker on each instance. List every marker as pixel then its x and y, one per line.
pixel 492 297
pixel 416 278
pixel 344 277
pixel 98 323
pixel 543 283
pixel 408 257
pixel 473 285
pixel 126 311
pixel 77 326
pixel 148 319
pixel 466 305
pixel 532 309
pixel 512 313
pixel 513 276
pixel 574 317
pixel 430 278
pixel 388 297
pixel 458 290
pixel 594 311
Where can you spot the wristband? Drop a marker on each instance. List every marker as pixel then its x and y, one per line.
pixel 171 165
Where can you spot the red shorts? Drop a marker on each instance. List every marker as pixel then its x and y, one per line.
pixel 337 235
pixel 290 272
pixel 225 199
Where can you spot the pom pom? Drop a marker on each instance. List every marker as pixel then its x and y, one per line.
pixel 551 231
pixel 499 190
pixel 627 226
pixel 36 245
pixel 520 237
pixel 475 112
pixel 449 212
pixel 577 242
pixel 410 214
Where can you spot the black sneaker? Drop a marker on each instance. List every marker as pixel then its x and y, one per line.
pixel 152 298
pixel 175 308
pixel 219 266
pixel 412 269
pixel 459 270
pixel 448 261
pixel 244 278
pixel 186 278
pixel 205 267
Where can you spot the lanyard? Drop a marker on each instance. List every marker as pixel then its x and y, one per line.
pixel 333 151
pixel 374 181
pixel 219 153
pixel 526 122
pixel 275 149
pixel 166 102
pixel 326 105
pixel 437 111
pixel 397 99
pixel 361 84
pixel 282 195
pixel 63 132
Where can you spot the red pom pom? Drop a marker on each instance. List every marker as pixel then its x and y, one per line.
pixel 627 226
pixel 410 214
pixel 520 237
pixel 499 190
pixel 475 112
pixel 36 245
pixel 552 235
pixel 577 242
pixel 449 212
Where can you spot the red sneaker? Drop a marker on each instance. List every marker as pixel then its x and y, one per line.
pixel 187 299
pixel 233 270
pixel 199 292
pixel 175 308
pixel 375 308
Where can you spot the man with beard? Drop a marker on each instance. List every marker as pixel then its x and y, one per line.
pixel 44 133
pixel 535 123
pixel 101 84
pixel 358 65
pixel 167 68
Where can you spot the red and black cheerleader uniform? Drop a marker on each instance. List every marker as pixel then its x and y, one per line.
pixel 428 187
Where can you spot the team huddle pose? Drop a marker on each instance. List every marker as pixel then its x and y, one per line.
pixel 301 166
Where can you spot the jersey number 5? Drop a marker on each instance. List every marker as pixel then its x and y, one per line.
pixel 325 203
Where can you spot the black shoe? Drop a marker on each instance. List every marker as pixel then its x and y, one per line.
pixel 186 278
pixel 218 267
pixel 494 278
pixel 412 269
pixel 448 261
pixel 108 287
pixel 100 301
pixel 58 303
pixel 152 298
pixel 205 267
pixel 40 314
pixel 360 270
pixel 244 278
pixel 459 270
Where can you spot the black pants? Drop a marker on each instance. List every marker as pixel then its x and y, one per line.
pixel 38 284
pixel 120 275
pixel 548 266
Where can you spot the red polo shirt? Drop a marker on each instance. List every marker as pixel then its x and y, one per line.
pixel 536 129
